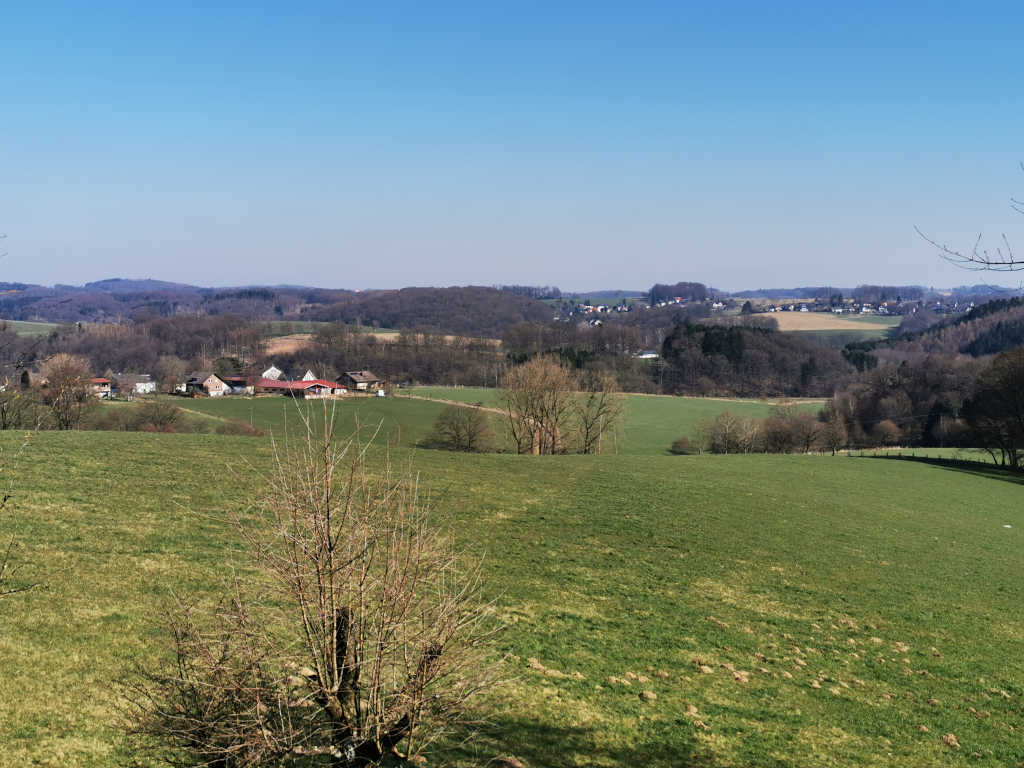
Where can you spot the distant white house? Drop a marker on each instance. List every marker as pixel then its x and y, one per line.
pixel 647 354
pixel 310 376
pixel 130 384
pixel 273 372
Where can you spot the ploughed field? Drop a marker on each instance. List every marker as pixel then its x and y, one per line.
pixel 659 610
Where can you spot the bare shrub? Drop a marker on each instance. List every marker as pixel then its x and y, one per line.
pixel 368 646
pixel 683 447
pixel 461 428
pixel 238 428
pixel 886 433
pixel 159 416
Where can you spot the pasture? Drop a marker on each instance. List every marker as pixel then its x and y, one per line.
pixel 30 328
pixel 776 610
pixel 651 422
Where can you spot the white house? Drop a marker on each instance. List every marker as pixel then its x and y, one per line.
pixel 273 372
pixel 135 384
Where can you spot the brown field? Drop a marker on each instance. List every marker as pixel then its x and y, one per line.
pixel 285 345
pixel 827 321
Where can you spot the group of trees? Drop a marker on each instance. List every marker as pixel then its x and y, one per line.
pixel 747 361
pixel 788 429
pixel 546 413
pixel 412 355
pixel 545 409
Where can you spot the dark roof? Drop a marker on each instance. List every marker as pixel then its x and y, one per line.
pixel 362 377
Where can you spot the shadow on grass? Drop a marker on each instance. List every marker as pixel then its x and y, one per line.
pixel 977 468
pixel 538 745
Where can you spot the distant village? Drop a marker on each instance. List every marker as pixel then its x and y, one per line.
pixel 592 313
pixel 272 381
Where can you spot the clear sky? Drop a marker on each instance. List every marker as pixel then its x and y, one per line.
pixel 586 145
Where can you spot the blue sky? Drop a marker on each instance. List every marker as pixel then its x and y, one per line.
pixel 587 145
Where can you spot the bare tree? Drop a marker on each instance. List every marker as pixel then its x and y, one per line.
pixel 995 411
pixel 598 412
pixel 169 372
pixel 538 402
pixel 979 258
pixel 369 646
pixel 832 434
pixel 68 389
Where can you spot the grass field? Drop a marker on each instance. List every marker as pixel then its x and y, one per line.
pixel 29 328
pixel 651 422
pixel 806 611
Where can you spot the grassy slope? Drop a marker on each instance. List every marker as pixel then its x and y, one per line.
pixel 600 565
pixel 30 328
pixel 652 422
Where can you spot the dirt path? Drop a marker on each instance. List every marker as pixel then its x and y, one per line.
pixel 486 408
pixel 204 415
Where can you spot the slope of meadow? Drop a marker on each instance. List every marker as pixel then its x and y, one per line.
pixel 784 610
pixel 651 422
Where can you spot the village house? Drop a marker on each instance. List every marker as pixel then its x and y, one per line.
pixel 131 384
pixel 101 387
pixel 205 383
pixel 273 372
pixel 364 381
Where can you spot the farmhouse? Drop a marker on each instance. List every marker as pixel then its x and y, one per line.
pixel 306 388
pixel 205 383
pixel 273 372
pixel 238 385
pixel 364 381
pixel 129 384
pixel 101 387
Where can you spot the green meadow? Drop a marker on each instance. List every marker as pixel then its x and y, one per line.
pixel 651 423
pixel 659 611
pixel 30 328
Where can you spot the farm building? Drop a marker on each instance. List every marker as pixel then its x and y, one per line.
pixel 205 383
pixel 129 384
pixel 312 388
pixel 238 385
pixel 101 387
pixel 364 381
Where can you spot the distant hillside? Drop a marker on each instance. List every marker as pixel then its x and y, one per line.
pixel 469 310
pixel 988 329
pixel 121 285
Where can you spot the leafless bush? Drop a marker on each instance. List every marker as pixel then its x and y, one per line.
pixel 462 428
pixel 368 647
